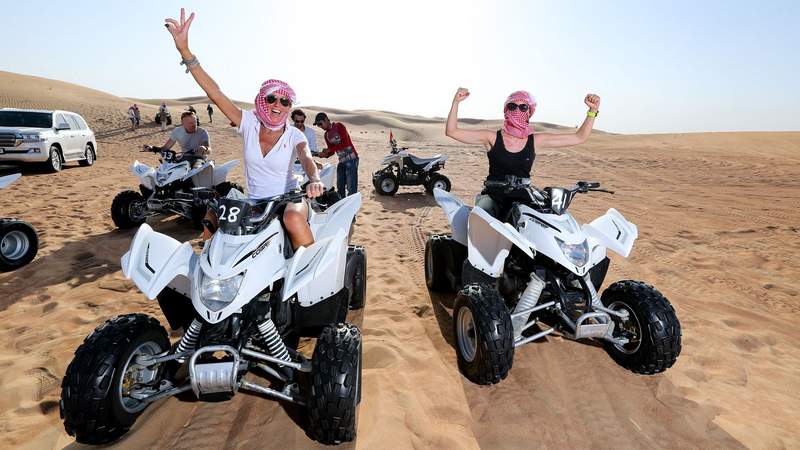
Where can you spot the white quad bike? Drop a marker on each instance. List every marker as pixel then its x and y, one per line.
pixel 243 304
pixel 538 266
pixel 401 168
pixel 174 187
pixel 18 240
pixel 327 175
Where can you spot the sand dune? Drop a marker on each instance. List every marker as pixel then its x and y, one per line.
pixel 719 228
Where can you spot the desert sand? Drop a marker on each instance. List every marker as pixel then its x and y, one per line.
pixel 719 229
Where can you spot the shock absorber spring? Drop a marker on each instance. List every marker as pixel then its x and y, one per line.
pixel 527 300
pixel 189 339
pixel 273 340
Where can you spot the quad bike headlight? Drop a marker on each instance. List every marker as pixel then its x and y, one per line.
pixel 577 254
pixel 162 178
pixel 217 293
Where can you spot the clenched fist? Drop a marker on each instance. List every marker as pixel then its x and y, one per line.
pixel 461 95
pixel 592 101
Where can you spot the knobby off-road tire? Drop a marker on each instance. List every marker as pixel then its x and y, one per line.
pixel 387 184
pixel 659 336
pixel 335 384
pixel 91 405
pixel 438 181
pixel 358 284
pixel 123 207
pixel 436 248
pixel 490 337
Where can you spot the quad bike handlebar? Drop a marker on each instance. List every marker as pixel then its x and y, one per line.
pixel 551 198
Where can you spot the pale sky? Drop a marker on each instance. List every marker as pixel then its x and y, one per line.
pixel 659 66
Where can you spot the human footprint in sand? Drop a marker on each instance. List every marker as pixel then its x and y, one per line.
pixel 512 149
pixel 270 147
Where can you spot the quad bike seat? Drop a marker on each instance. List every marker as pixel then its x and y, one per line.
pixel 423 161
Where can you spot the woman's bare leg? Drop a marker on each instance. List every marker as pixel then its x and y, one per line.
pixel 295 218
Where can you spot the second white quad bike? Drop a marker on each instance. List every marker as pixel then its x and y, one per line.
pixel 174 187
pixel 243 304
pixel 401 168
pixel 18 240
pixel 537 266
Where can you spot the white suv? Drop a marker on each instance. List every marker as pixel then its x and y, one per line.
pixel 50 137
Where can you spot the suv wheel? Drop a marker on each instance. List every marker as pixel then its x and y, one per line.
pixel 88 155
pixel 54 162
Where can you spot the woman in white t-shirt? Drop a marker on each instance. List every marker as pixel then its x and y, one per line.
pixel 270 147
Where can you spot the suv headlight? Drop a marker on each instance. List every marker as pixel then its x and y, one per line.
pixel 577 254
pixel 216 293
pixel 31 137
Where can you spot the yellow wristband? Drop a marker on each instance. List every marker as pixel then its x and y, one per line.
pixel 592 113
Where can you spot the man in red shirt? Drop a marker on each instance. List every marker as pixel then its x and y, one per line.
pixel 338 141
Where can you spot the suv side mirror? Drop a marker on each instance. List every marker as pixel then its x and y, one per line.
pixel 62 126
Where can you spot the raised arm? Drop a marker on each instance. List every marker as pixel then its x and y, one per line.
pixel 554 140
pixel 474 137
pixel 180 33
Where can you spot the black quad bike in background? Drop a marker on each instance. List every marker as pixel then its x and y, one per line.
pixel 401 168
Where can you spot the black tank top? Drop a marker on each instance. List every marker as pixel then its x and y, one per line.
pixel 502 162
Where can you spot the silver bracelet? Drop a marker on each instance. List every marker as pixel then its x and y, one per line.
pixel 190 63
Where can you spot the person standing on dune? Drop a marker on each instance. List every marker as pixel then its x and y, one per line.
pixel 132 117
pixel 339 142
pixel 162 115
pixel 210 113
pixel 270 147
pixel 512 149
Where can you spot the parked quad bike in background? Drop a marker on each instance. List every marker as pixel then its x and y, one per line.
pixel 18 240
pixel 168 117
pixel 401 168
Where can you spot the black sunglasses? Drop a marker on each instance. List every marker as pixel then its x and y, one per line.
pixel 513 106
pixel 271 99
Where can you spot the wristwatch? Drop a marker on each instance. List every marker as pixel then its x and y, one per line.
pixel 592 113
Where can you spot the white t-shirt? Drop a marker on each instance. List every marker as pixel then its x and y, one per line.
pixel 271 175
pixel 310 137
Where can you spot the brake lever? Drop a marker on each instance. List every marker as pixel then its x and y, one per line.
pixel 602 190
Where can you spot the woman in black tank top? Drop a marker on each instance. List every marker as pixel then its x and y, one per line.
pixel 517 111
pixel 503 162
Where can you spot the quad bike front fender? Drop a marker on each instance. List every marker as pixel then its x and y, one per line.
pixel 317 272
pixel 490 241
pixel 221 172
pixel 457 214
pixel 154 260
pixel 145 173
pixel 613 231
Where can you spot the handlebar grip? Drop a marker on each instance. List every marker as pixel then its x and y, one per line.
pixel 593 185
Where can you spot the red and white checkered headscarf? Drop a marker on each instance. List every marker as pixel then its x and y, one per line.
pixel 279 88
pixel 516 122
